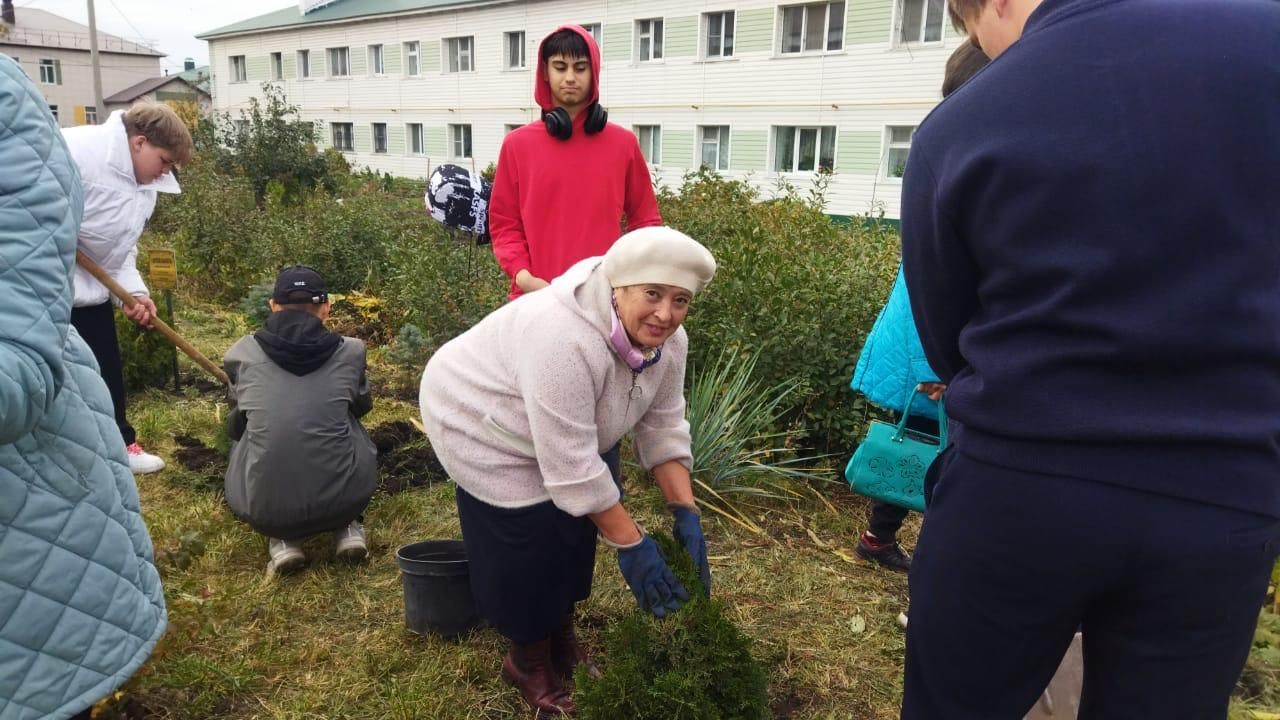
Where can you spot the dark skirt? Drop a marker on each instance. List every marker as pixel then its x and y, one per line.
pixel 528 565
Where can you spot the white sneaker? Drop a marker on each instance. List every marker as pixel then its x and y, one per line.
pixel 902 620
pixel 286 556
pixel 142 462
pixel 350 542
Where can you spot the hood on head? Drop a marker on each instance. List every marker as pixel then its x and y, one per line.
pixel 542 86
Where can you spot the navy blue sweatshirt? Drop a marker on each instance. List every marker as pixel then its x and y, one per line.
pixel 1091 240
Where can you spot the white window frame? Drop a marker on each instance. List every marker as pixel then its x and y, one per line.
pixel 239 69
pixel 508 128
pixel 520 62
pixel 377 59
pixel 652 150
pixel 891 145
pixel 54 110
pixel 723 143
pixel 728 31
pixel 797 134
pixel 804 10
pixel 455 54
pixel 417 139
pixel 91 114
pixel 460 141
pixel 276 61
pixel 340 132
pixel 303 60
pixel 412 58
pixel 900 23
pixel 596 29
pixel 650 31
pixel 378 148
pixel 48 71
pixel 338 58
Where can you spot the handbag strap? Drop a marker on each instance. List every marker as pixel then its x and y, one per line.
pixel 906 412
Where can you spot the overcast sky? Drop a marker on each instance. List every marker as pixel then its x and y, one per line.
pixel 168 25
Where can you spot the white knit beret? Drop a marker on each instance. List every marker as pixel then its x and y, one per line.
pixel 659 255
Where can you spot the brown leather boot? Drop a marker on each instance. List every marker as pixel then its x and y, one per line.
pixel 529 669
pixel 567 654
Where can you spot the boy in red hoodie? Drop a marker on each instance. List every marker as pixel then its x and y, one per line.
pixel 564 183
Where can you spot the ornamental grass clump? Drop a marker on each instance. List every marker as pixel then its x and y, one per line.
pixel 694 665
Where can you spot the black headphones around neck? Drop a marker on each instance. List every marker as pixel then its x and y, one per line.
pixel 559 125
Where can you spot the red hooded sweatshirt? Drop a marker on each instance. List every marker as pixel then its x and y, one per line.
pixel 556 202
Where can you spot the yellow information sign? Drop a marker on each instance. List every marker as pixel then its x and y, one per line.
pixel 164 269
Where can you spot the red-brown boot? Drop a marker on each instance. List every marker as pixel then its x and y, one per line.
pixel 567 654
pixel 529 669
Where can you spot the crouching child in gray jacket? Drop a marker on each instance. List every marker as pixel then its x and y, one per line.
pixel 301 463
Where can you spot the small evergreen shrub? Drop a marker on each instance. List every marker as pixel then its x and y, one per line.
pixel 254 305
pixel 410 347
pixel 146 355
pixel 694 665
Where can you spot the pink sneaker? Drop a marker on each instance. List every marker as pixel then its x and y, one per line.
pixel 142 462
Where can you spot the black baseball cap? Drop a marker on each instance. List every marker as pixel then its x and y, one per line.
pixel 299 284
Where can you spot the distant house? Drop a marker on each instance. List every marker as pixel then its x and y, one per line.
pixel 198 76
pixel 160 89
pixel 767 91
pixel 54 51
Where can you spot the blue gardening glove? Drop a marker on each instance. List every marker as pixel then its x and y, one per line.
pixel 688 532
pixel 649 578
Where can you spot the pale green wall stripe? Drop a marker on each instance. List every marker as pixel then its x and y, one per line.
pixel 391 59
pixel 747 149
pixel 858 152
pixel 317 63
pixel 395 139
pixel 681 36
pixel 868 21
pixel 363 138
pixel 617 42
pixel 359 56
pixel 677 148
pixel 430 56
pixel 290 65
pixel 753 31
pixel 257 67
pixel 434 140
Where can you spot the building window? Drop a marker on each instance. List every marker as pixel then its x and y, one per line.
pixel 459 52
pixel 649 39
pixel 899 146
pixel 376 65
pixel 412 65
pixel 593 29
pixel 714 141
pixel 380 137
pixel 304 64
pixel 920 20
pixel 343 136
pixel 804 149
pixel 813 28
pixel 650 137
pixel 54 109
pixel 719 34
pixel 515 45
pixel 239 71
pixel 461 140
pixel 277 66
pixel 50 72
pixel 340 62
pixel 416 144
pixel 510 128
pixel 91 114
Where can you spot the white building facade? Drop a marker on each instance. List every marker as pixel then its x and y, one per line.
pixel 758 90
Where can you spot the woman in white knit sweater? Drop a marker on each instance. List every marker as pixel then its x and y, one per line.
pixel 519 409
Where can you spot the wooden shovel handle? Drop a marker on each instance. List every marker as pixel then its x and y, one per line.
pixel 163 328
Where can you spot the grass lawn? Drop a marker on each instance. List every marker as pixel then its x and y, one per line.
pixel 331 641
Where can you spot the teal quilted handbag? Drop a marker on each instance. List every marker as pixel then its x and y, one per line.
pixel 890 462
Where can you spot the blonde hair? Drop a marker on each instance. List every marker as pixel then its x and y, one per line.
pixel 162 127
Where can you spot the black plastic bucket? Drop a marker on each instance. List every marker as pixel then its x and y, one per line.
pixel 437 588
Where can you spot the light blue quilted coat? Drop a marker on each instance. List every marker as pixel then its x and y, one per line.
pixel 892 359
pixel 80 600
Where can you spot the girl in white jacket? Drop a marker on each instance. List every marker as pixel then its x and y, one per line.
pixel 123 163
